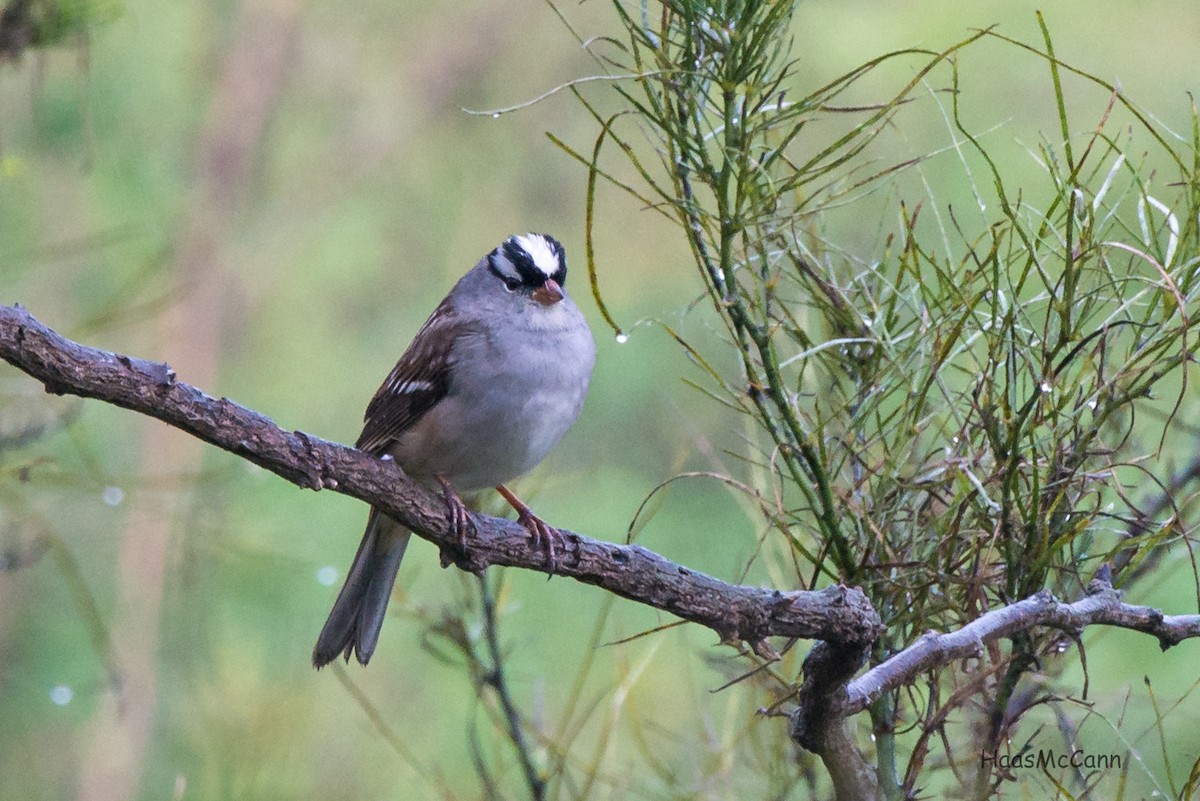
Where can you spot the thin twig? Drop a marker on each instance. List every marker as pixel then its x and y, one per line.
pixel 494 677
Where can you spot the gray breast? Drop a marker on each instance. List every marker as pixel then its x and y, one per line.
pixel 526 385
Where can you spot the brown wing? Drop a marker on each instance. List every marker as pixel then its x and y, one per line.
pixel 419 380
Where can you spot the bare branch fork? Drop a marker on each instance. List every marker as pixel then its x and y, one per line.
pixel 842 618
pixel 829 695
pixel 1100 606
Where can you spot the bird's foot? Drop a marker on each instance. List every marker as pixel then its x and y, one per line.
pixel 461 524
pixel 541 534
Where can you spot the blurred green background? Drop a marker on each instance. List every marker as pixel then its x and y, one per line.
pixel 271 196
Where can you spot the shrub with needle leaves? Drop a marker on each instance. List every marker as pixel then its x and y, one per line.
pixel 945 420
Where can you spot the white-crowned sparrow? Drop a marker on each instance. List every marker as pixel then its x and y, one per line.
pixel 489 384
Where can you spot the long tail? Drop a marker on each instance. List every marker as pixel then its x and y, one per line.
pixel 357 614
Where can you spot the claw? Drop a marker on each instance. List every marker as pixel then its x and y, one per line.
pixel 460 518
pixel 541 533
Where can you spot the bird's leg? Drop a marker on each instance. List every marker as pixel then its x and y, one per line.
pixel 460 517
pixel 541 532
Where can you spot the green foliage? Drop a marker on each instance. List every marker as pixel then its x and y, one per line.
pixel 943 422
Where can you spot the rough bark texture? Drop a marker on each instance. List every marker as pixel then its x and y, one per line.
pixel 816 726
pixel 735 612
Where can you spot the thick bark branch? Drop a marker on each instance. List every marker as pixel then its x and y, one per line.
pixel 818 727
pixel 734 612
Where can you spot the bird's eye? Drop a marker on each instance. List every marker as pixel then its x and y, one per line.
pixel 511 284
